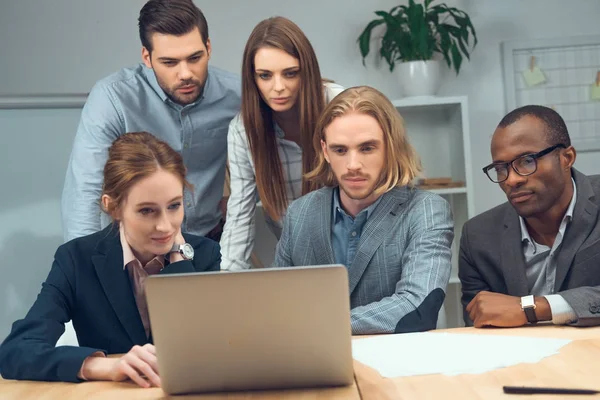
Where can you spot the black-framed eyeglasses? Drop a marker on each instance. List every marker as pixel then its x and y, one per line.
pixel 523 165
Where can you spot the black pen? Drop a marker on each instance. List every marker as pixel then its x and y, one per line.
pixel 545 390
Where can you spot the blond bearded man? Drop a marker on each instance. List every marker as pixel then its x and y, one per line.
pixel 393 238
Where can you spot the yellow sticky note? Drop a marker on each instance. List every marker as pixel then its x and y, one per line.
pixel 595 92
pixel 533 77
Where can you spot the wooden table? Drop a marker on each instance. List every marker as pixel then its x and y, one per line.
pixel 27 390
pixel 575 366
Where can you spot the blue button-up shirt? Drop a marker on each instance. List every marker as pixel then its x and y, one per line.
pixel 346 231
pixel 130 101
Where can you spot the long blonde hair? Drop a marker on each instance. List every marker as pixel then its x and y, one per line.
pixel 402 161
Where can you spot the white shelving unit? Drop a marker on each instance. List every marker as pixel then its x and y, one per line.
pixel 438 127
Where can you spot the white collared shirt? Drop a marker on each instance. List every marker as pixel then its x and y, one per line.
pixel 540 261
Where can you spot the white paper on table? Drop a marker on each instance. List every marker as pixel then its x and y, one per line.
pixel 412 354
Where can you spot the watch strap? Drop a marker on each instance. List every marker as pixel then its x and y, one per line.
pixel 530 314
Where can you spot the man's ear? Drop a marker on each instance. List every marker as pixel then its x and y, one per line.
pixel 568 157
pixel 208 48
pixel 146 57
pixel 324 149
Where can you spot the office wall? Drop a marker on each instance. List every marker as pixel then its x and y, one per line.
pixel 64 46
pixel 34 151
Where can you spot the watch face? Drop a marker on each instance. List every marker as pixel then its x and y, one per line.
pixel 187 251
pixel 527 302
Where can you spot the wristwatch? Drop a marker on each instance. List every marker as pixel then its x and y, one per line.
pixel 186 250
pixel 528 306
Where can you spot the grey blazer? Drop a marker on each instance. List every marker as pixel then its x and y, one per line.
pixel 402 266
pixel 491 254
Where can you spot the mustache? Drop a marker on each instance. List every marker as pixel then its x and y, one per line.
pixel 187 82
pixel 521 192
pixel 353 176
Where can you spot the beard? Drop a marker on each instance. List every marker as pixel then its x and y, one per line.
pixel 182 98
pixel 357 193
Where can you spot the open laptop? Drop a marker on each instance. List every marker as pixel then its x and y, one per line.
pixel 257 329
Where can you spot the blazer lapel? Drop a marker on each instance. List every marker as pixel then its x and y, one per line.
pixel 584 218
pixel 321 240
pixel 377 227
pixel 513 260
pixel 108 262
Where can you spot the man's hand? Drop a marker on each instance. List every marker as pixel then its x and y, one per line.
pixel 496 309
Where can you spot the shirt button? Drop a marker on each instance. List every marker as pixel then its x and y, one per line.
pixel 188 204
pixel 185 146
pixel 354 233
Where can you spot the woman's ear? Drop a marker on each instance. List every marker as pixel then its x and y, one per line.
pixel 108 205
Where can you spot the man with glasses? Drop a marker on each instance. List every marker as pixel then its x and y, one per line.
pixel 536 257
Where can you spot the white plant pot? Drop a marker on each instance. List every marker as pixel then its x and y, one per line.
pixel 419 78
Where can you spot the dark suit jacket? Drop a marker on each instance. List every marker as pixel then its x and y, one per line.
pixel 491 254
pixel 87 284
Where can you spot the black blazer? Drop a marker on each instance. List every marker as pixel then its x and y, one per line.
pixel 88 285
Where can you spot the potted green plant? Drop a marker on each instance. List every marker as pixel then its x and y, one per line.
pixel 413 35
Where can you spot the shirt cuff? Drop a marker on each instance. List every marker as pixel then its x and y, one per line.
pixel 96 354
pixel 562 312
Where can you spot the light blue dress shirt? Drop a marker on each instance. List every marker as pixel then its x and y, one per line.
pixel 346 231
pixel 131 100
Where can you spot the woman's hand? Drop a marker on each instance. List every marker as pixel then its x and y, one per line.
pixel 179 237
pixel 139 365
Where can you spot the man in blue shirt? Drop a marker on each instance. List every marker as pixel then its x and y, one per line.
pixel 394 239
pixel 174 95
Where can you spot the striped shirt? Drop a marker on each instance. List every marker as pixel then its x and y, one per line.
pixel 237 240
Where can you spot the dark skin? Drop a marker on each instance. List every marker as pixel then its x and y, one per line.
pixel 541 199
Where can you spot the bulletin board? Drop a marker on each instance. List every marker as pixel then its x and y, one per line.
pixel 571 68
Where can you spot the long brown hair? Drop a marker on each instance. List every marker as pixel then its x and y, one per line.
pixel 402 161
pixel 283 34
pixel 133 157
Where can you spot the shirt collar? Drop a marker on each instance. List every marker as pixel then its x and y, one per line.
pixel 151 77
pixel 339 212
pixel 566 219
pixel 128 255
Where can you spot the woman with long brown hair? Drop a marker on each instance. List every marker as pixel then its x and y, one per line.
pixel 270 141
